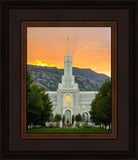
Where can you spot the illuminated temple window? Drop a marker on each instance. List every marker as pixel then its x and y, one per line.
pixel 68 100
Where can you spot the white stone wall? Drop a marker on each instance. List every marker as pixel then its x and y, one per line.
pixel 80 101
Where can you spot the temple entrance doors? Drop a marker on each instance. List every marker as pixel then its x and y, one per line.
pixel 68 116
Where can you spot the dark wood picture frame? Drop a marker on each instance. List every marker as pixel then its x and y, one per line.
pixel 125 13
pixel 113 25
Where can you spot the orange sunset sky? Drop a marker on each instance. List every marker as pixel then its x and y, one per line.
pixel 90 47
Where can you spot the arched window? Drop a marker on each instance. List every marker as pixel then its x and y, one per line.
pixel 67 116
pixel 85 117
pixel 68 100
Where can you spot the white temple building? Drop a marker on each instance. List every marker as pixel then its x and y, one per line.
pixel 68 101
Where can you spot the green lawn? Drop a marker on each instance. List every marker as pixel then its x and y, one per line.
pixel 68 130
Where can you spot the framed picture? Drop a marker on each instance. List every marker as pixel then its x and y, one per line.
pixel 70 101
pixel 45 45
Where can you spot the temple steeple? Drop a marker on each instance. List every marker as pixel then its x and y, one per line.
pixel 68 78
pixel 68 67
pixel 68 46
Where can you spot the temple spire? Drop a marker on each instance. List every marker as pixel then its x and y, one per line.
pixel 68 81
pixel 68 36
pixel 68 46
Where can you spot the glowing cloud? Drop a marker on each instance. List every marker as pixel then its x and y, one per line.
pixel 37 63
pixel 90 47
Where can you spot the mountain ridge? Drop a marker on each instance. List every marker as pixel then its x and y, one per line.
pixel 50 77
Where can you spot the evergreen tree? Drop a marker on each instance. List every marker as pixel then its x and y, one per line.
pixel 101 107
pixel 78 117
pixel 57 118
pixel 63 118
pixel 39 106
pixel 72 118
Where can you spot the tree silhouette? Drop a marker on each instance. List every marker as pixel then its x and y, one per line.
pixel 39 106
pixel 101 107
